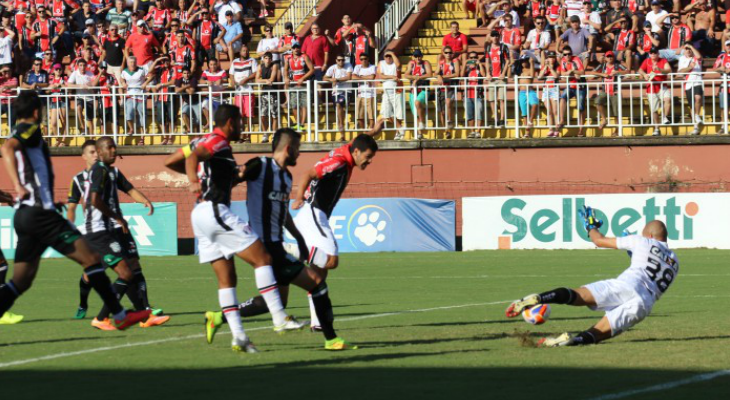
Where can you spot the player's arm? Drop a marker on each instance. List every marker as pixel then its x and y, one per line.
pixel 98 181
pixel 249 171
pixel 126 186
pixel 11 165
pixel 302 187
pixel 601 241
pixel 191 167
pixel 74 197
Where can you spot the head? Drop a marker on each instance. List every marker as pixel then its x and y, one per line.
pixel 174 25
pixel 610 57
pixel 363 150
pixel 448 53
pixel 132 63
pixel 615 4
pixel 244 51
pixel 28 106
pixel 575 23
pixel 269 31
pixel 205 15
pixel 540 22
pixel 88 53
pixel 551 58
pixel 655 230
pixel 508 21
pixel 454 27
pixel 289 28
pixel 186 74
pixel 315 29
pixel 364 60
pixel 113 31
pixel 166 62
pixel 587 7
pixel 119 4
pixel 654 54
pixel 37 65
pixel 417 56
pixel 180 36
pixel 473 57
pixel 228 119
pixel 286 142
pixel 81 65
pixel 41 10
pixel 99 27
pixel 229 17
pixel 727 46
pixel 57 70
pixel 340 60
pixel 296 49
pixel 106 150
pixel 567 53
pixel 625 24
pixel 655 5
pixel 675 20
pixel 494 37
pixel 86 7
pixel 88 152
pixel 346 20
pixel 213 65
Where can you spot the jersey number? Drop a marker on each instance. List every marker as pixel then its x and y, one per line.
pixel 654 270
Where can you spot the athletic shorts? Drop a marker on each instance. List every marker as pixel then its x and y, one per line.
pixel 315 228
pixel 108 245
pixel 656 100
pixel 624 305
pixel 38 229
pixel 246 104
pixel 391 104
pixel 129 245
pixel 219 232
pixel 286 267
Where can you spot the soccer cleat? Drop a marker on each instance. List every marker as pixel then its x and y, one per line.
pixel 132 318
pixel 10 318
pixel 154 320
pixel 104 325
pixel 243 346
pixel 518 306
pixel 290 324
pixel 338 344
pixel 213 322
pixel 80 313
pixel 157 311
pixel 562 340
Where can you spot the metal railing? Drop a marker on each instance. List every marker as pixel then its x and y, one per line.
pixel 386 29
pixel 297 13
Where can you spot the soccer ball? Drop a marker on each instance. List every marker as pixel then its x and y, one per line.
pixel 537 315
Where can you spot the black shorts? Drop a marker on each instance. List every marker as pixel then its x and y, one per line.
pixel 286 267
pixel 88 106
pixel 129 246
pixel 108 246
pixel 38 229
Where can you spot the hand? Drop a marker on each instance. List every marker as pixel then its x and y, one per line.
pixel 711 34
pixel 326 32
pixel 151 207
pixel 22 192
pixel 300 82
pixel 297 204
pixel 123 223
pixel 589 219
pixel 194 187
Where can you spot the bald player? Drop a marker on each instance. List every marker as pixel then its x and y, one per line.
pixel 626 300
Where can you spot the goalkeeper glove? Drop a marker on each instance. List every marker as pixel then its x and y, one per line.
pixel 589 219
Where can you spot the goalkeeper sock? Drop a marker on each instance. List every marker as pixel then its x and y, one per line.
pixel 583 338
pixel 558 296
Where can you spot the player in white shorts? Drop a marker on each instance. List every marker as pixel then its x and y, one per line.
pixel 626 300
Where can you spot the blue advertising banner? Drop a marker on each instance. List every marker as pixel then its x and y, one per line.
pixel 156 234
pixel 388 224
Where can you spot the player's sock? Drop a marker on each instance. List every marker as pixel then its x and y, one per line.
pixel 120 288
pixel 314 321
pixel 84 290
pixel 266 283
pixel 253 307
pixel 3 271
pixel 135 296
pixel 8 294
pixel 101 284
pixel 229 304
pixel 583 338
pixel 558 296
pixel 323 307
pixel 141 285
pixel 317 257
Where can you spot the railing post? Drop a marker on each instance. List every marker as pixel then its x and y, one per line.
pixel 396 4
pixel 517 107
pixel 620 115
pixel 725 101
pixel 312 91
pixel 210 109
pixel 115 109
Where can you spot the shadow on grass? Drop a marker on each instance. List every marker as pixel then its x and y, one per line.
pixel 61 340
pixel 680 339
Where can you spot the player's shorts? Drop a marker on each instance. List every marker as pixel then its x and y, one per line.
pixel 108 245
pixel 129 245
pixel 38 229
pixel 315 228
pixel 286 267
pixel 220 233
pixel 624 305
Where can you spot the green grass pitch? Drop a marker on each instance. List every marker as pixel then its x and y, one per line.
pixel 429 325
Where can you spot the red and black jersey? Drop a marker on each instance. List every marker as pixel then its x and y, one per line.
pixel 297 67
pixel 205 32
pixel 361 47
pixel 418 69
pixel 219 173
pixel 47 30
pixel 497 57
pixel 678 36
pixel 158 18
pixel 165 76
pixel 512 37
pixel 625 40
pixel 182 57
pixel 643 41
pixel 447 68
pixel 537 8
pixel 723 61
pixel 333 174
pixel 609 86
pixel 574 64
pixel 106 81
pixel 171 41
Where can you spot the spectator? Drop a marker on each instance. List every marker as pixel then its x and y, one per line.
pixel 57 105
pixel 269 43
pixel 298 69
pixel 83 80
pixel 185 11
pixel 317 48
pixel 364 44
pixel 171 42
pixel 572 8
pixel 469 7
pixel 499 61
pixel 654 70
pixel 107 103
pixel 187 87
pixel 677 35
pixel 551 94
pixel 616 14
pixel 645 41
pixel 91 65
pixel 264 12
pixel 288 40
pixel 119 17
pixel 538 40
pixel 87 42
pixel 26 43
pixel 166 104
pixel 206 33
pixel 591 20
pixel 81 16
pixel 391 106
pixel 653 16
pixel 339 75
pixel 134 81
pixel 35 79
pixel 577 38
pixel 690 63
pixel 722 67
pixel 535 9
pixel 345 36
pixel 702 19
pixel 47 60
pixel 449 68
pixel 183 56
pixel 365 100
pixel 474 104
pixel 217 80
pixel 554 16
pixel 527 95
pixel 143 45
pixel 232 35
pixel 511 36
pixel 572 67
pixel 608 97
pixel 222 7
pixel 7 41
pixel 44 31
pixel 267 75
pixel 159 17
pixel 242 71
pixel 500 8
pixel 113 53
pixel 457 41
pixel 624 44
pixel 418 72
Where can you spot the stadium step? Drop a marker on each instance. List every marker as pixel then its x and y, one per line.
pixel 446 24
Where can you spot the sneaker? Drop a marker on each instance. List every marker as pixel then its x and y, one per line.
pixel 656 132
pixel 475 135
pixel 154 320
pixel 562 340
pixel 518 306
pixel 338 344
pixel 243 346
pixel 698 120
pixel 80 313
pixel 262 14
pixel 418 136
pixel 10 318
pixel 421 126
pixel 290 324
pixel 398 136
pixel 213 322
pixel 104 325
pixel 132 318
pixel 721 131
pixel 666 121
pixel 265 139
pixel 695 131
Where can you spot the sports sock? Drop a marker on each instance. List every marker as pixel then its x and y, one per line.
pixel 84 290
pixel 3 271
pixel 266 283
pixel 229 304
pixel 253 307
pixel 583 338
pixel 314 321
pixel 323 307
pixel 101 284
pixel 317 257
pixel 8 294
pixel 141 287
pixel 558 296
pixel 120 288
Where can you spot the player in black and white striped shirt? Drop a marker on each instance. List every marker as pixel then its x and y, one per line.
pixel 8 318
pixel 38 225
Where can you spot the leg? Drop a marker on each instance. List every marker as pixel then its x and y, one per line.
pixel 257 256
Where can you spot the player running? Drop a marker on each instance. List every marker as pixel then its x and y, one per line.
pixel 269 183
pixel 8 318
pixel 626 300
pixel 107 230
pixel 212 173
pixel 38 224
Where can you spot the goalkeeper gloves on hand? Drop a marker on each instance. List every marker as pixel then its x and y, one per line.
pixel 589 219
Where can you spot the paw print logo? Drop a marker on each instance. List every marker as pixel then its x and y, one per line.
pixel 369 226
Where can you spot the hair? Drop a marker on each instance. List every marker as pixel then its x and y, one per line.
pixel 364 142
pixel 448 47
pixel 105 142
pixel 540 18
pixel 656 229
pixel 27 103
pixel 87 143
pixel 566 47
pixel 454 23
pixel 132 58
pixel 211 59
pixel 289 135
pixel 225 113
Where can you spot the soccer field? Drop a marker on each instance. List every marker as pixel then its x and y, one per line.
pixel 429 325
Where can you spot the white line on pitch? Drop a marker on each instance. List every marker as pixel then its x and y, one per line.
pixel 665 386
pixel 197 336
